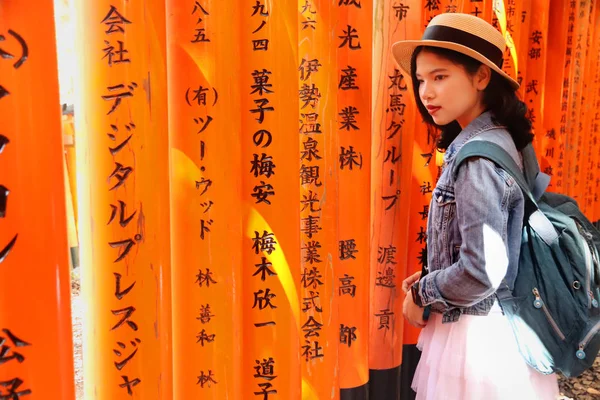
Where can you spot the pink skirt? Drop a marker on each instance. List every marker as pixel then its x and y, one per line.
pixel 476 358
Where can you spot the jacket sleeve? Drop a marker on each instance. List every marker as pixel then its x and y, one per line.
pixel 483 201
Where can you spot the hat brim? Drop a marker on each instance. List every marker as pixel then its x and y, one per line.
pixel 403 51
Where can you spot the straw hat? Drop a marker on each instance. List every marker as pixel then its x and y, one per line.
pixel 463 33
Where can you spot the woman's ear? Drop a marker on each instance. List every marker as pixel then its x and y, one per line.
pixel 483 77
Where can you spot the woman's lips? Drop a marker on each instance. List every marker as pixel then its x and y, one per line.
pixel 432 109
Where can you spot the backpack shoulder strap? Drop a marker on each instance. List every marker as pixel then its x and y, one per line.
pixel 538 181
pixel 496 154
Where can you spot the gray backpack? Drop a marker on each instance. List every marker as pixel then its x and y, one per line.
pixel 554 305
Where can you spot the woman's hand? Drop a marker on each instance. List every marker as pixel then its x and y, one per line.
pixel 408 282
pixel 412 312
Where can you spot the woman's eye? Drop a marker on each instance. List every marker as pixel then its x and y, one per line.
pixel 420 81
pixel 439 77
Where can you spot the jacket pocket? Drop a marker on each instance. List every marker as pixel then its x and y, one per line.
pixel 445 203
pixel 444 212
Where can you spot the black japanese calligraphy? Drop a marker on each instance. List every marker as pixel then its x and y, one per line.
pixel 384 317
pixel 123 219
pixel 204 278
pixel 9 390
pixel 347 334
pixel 263 298
pixel 310 302
pixel 350 39
pixel 205 337
pixel 125 245
pixel 127 313
pixel 206 379
pixel 119 294
pixel 264 269
pixel 205 314
pixel 347 287
pixel 114 21
pixel 124 92
pixel 24 50
pixel 347 249
pixel 311 277
pixel 264 243
pixel 119 352
pixel 6 352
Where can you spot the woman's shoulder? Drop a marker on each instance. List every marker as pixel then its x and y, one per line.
pixel 502 137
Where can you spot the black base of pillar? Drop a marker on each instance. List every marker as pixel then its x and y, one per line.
pixel 410 358
pixel 384 384
pixel 394 383
pixel 357 393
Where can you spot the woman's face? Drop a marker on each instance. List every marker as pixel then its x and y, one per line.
pixel 447 91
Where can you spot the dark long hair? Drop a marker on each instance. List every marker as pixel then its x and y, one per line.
pixel 498 97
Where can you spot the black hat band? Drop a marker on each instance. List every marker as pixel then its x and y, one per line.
pixel 482 46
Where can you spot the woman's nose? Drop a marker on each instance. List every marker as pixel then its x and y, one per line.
pixel 426 92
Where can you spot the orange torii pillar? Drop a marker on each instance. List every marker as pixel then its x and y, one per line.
pixel 353 40
pixel 519 15
pixel 270 197
pixel 122 162
pixel 504 19
pixel 585 173
pixel 479 8
pixel 391 153
pixel 533 84
pixel 594 188
pixel 559 150
pixel 318 201
pixel 36 349
pixel 421 183
pixel 554 114
pixel 572 153
pixel 206 176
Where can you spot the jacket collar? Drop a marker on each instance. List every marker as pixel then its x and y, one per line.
pixel 476 126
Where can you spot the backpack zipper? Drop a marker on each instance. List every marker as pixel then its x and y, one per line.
pixel 589 263
pixel 539 303
pixel 588 273
pixel 580 353
pixel 596 260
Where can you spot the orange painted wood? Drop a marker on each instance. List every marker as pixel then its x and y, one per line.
pixel 353 40
pixel 36 358
pixel 271 273
pixel 206 178
pixel 122 159
pixel 317 78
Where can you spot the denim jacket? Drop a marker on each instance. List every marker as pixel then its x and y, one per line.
pixel 474 228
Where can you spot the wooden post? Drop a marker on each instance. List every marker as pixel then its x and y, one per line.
pixel 318 199
pixel 270 193
pixel 36 348
pixel 533 84
pixel 354 40
pixel 392 354
pixel 122 159
pixel 206 178
pixel 554 114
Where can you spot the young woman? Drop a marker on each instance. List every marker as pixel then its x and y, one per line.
pixel 474 226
